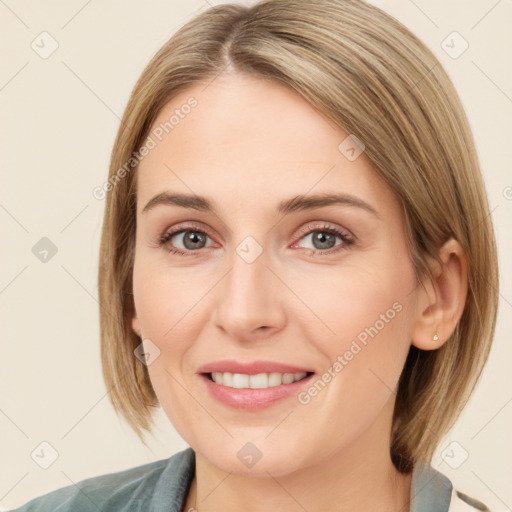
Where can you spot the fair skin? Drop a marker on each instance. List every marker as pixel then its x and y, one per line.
pixel 248 145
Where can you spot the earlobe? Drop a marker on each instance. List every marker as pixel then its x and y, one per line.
pixel 441 300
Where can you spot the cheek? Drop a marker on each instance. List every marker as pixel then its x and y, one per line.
pixel 363 365
pixel 178 402
pixel 168 302
pixel 368 310
pixel 165 301
pixel 165 307
pixel 363 298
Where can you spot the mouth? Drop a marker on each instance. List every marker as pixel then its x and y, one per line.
pixel 253 385
pixel 256 381
pixel 254 392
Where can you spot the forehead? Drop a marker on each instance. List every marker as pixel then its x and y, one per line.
pixel 244 141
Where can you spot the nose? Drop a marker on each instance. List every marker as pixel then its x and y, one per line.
pixel 249 300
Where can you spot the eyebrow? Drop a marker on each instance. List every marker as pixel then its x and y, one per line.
pixel 294 204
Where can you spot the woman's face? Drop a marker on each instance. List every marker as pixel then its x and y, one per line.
pixel 261 278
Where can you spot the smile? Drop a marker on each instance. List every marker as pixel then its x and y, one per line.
pixel 258 381
pixel 254 392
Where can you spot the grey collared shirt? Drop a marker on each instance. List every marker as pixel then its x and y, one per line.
pixel 162 486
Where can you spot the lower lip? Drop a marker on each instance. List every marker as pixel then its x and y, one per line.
pixel 254 399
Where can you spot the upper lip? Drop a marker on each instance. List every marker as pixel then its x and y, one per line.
pixel 251 368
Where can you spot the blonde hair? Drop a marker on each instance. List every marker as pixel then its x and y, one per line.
pixel 374 79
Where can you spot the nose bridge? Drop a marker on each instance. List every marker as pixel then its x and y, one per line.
pixel 248 298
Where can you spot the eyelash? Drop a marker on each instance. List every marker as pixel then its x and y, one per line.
pixel 346 239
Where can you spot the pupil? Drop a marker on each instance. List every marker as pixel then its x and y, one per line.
pixel 193 237
pixel 323 238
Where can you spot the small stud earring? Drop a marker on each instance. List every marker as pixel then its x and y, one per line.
pixel 436 337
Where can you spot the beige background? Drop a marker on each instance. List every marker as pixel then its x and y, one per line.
pixel 60 115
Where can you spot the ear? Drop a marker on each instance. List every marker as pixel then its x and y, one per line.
pixel 441 300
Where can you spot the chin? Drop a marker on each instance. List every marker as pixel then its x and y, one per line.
pixel 256 459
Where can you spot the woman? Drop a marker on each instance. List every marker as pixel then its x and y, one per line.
pixel 297 263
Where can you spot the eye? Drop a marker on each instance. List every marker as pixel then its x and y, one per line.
pixel 323 238
pixel 190 237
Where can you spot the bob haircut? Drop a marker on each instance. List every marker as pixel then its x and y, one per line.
pixel 373 78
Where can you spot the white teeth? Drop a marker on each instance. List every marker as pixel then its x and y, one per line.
pixel 258 381
pixel 240 380
pixel 288 378
pixel 227 379
pixel 275 379
pixel 217 377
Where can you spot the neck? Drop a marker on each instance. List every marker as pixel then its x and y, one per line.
pixel 358 477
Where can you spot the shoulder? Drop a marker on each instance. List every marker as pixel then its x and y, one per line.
pixel 432 490
pixel 138 488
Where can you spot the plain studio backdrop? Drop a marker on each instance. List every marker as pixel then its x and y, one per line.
pixel 67 71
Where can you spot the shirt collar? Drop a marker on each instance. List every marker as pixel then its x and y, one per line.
pixel 430 489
